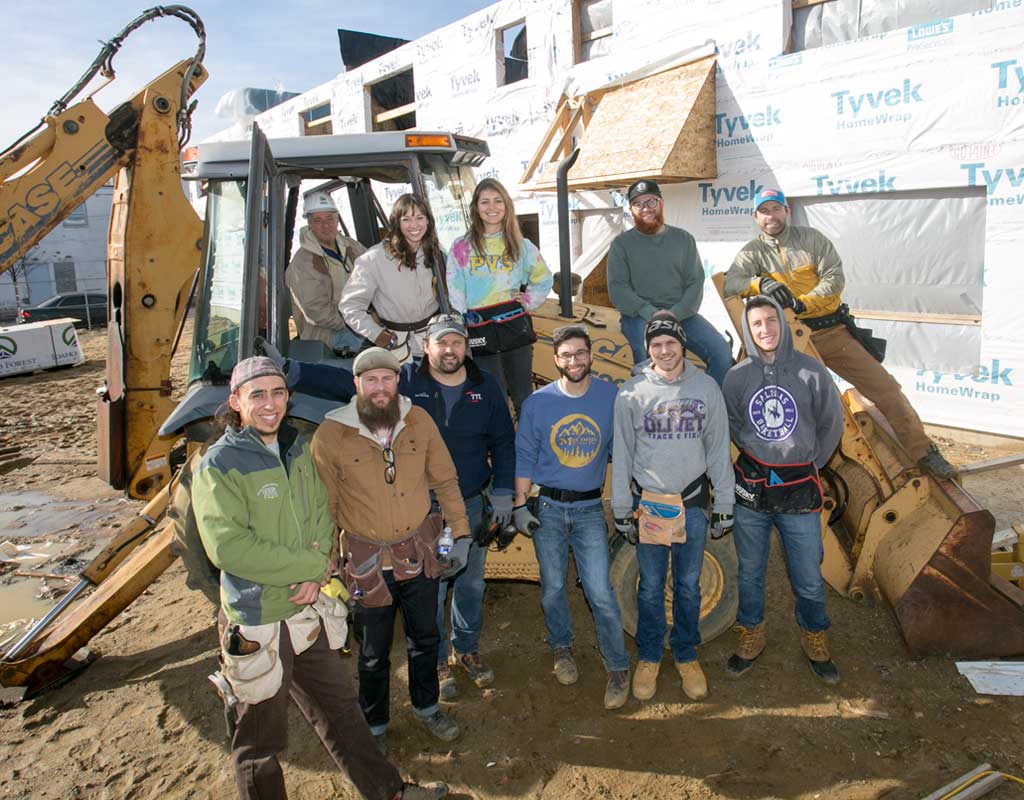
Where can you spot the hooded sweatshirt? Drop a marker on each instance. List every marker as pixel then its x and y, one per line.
pixel 668 434
pixel 786 411
pixel 316 279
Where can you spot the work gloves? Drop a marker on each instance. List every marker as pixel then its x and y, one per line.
pixel 525 522
pixel 627 528
pixel 778 292
pixel 721 525
pixel 457 557
pixel 501 509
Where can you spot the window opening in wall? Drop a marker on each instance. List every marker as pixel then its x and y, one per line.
pixel 393 102
pixel 64 277
pixel 79 218
pixel 513 62
pixel 591 29
pixel 529 226
pixel 316 121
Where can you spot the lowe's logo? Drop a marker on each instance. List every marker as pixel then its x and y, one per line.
pixel 849 105
pixel 1008 178
pixel 740 129
pixel 929 30
pixel 724 199
pixel 1011 83
pixel 827 186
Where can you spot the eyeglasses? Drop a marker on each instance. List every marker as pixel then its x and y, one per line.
pixel 579 355
pixel 643 205
pixel 390 470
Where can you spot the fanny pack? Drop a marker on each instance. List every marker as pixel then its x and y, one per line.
pixel 777 488
pixel 661 518
pixel 499 328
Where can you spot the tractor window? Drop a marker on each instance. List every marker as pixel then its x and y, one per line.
pixel 215 342
pixel 449 190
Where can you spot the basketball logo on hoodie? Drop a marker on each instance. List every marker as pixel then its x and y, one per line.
pixel 773 413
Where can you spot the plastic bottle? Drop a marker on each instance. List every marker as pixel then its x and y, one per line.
pixel 444 544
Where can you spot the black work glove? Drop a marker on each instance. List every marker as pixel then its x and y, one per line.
pixel 627 528
pixel 780 294
pixel 721 525
pixel 457 557
pixel 524 521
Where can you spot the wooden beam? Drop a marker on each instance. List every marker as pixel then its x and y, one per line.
pixel 805 3
pixel 394 113
pixel 600 33
pixel 561 112
pixel 911 316
pixel 1007 590
pixel 992 463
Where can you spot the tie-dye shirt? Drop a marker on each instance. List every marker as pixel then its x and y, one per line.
pixel 476 280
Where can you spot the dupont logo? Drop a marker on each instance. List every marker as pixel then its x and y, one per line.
pixel 741 129
pixel 721 200
pixel 1010 83
pixel 1007 179
pixel 827 185
pixel 929 30
pixel 872 108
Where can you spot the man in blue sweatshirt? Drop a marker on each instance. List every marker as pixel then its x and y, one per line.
pixel 671 434
pixel 786 419
pixel 562 444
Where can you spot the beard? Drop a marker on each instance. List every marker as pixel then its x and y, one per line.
pixel 446 365
pixel 565 374
pixel 651 227
pixel 373 416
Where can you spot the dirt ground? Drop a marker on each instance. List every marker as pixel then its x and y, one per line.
pixel 143 722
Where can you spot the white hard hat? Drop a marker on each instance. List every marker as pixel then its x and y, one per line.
pixel 318 201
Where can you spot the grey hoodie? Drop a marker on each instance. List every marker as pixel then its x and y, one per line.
pixel 668 434
pixel 784 412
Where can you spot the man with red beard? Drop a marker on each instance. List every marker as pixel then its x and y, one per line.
pixel 380 457
pixel 656 266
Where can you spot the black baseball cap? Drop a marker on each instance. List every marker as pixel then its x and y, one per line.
pixel 646 186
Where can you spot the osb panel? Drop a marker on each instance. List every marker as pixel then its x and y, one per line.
pixel 595 286
pixel 695 154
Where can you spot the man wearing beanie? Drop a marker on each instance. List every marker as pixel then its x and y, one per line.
pixel 380 458
pixel 262 515
pixel 671 434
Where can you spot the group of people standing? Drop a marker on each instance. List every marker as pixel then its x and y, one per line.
pixel 423 469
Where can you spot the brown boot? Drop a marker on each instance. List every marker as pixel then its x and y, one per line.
pixel 749 646
pixel 815 647
pixel 645 679
pixel 695 685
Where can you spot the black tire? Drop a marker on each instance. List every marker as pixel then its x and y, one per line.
pixel 720 597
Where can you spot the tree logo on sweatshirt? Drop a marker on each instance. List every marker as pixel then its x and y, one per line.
pixel 575 440
pixel 773 413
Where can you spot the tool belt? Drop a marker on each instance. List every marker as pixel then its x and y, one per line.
pixel 696 495
pixel 874 346
pixel 405 327
pixel 499 328
pixel 777 488
pixel 568 495
pixel 363 573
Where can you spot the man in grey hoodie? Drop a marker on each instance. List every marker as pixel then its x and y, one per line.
pixel 671 433
pixel 786 419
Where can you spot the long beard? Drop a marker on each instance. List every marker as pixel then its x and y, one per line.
pixel 565 374
pixel 374 417
pixel 650 227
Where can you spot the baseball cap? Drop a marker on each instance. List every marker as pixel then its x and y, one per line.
pixel 251 368
pixel 375 358
pixel 440 324
pixel 766 195
pixel 645 186
pixel 663 323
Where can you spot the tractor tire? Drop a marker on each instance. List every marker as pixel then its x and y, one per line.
pixel 719 587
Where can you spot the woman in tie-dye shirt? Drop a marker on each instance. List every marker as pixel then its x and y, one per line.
pixel 492 264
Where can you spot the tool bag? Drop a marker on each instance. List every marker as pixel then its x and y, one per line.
pixel 499 328
pixel 777 488
pixel 661 519
pixel 874 345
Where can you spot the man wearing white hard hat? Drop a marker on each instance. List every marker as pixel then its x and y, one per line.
pixel 317 274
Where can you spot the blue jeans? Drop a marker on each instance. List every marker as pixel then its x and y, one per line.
pixel 582 528
pixel 347 339
pixel 801 543
pixel 701 337
pixel 687 560
pixel 467 612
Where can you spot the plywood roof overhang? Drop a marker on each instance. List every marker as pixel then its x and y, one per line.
pixel 661 126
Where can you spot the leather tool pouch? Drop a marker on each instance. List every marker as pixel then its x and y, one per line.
pixel 777 488
pixel 662 519
pixel 418 552
pixel 871 343
pixel 363 573
pixel 250 661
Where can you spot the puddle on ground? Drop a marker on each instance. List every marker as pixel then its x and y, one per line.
pixel 32 514
pixel 18 600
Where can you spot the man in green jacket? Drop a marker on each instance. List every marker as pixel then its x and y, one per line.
pixel 262 515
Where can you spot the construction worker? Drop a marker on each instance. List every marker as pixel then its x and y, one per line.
pixel 800 269
pixel 654 266
pixel 262 515
pixel 671 433
pixel 786 419
pixel 562 443
pixel 317 274
pixel 380 457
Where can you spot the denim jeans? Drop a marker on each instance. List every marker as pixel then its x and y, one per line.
pixel 687 560
pixel 583 529
pixel 467 612
pixel 513 370
pixel 701 337
pixel 347 339
pixel 801 544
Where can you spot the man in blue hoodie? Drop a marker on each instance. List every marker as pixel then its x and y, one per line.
pixel 786 419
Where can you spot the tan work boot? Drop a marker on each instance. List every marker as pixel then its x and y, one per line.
pixel 815 648
pixel 645 679
pixel 749 646
pixel 695 685
pixel 565 669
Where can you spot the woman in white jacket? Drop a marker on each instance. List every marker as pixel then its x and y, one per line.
pixel 391 294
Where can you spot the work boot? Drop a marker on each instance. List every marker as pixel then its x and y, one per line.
pixel 617 690
pixel 816 648
pixel 750 645
pixel 441 726
pixel 934 462
pixel 446 682
pixel 695 685
pixel 428 791
pixel 645 679
pixel 565 666
pixel 481 675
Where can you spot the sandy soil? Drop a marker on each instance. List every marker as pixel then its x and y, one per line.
pixel 143 721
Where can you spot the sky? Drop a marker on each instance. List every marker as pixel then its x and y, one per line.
pixel 257 43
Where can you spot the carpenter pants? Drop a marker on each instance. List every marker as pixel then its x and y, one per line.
pixel 319 682
pixel 845 356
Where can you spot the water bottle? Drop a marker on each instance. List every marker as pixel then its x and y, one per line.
pixel 444 544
